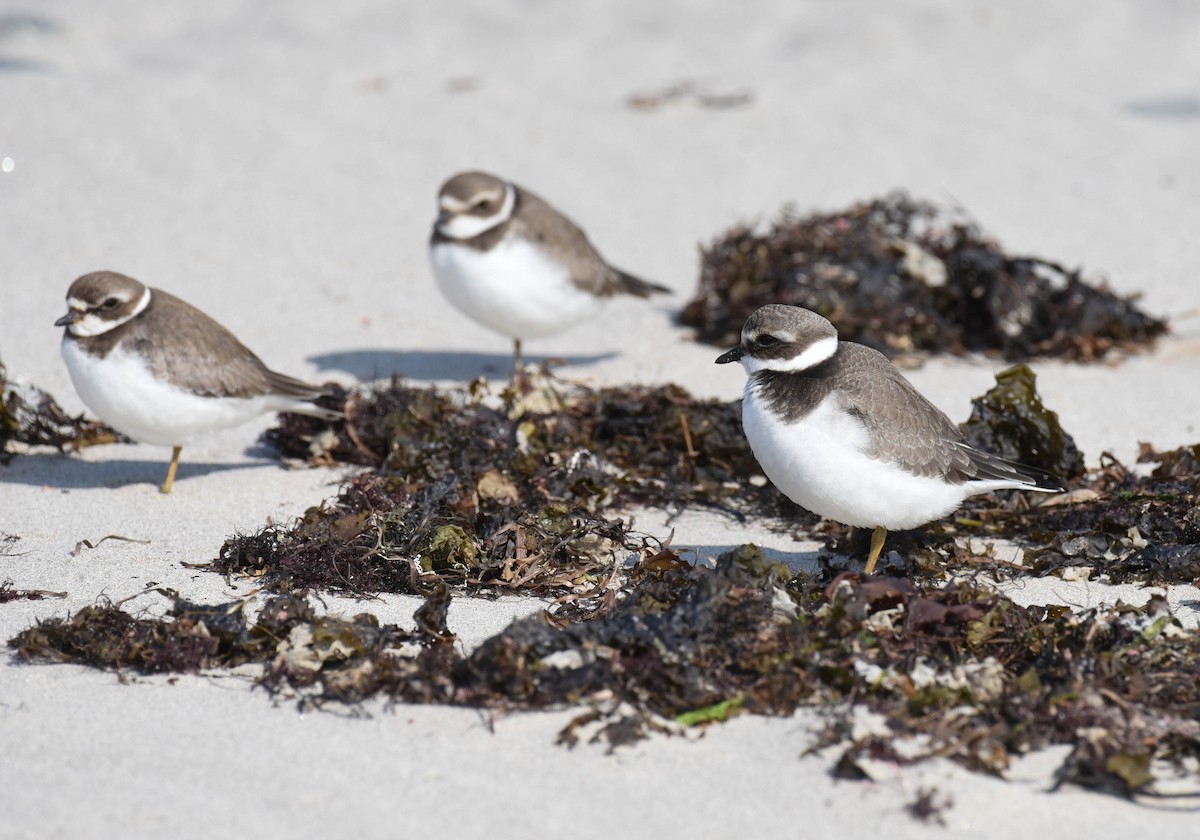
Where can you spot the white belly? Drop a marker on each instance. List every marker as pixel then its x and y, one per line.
pixel 123 393
pixel 512 288
pixel 820 464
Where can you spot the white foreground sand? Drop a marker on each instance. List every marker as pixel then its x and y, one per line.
pixel 276 165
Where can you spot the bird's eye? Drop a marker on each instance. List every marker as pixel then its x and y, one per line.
pixel 482 204
pixel 111 303
pixel 766 340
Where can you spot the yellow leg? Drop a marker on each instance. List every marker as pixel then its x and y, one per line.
pixel 877 538
pixel 520 381
pixel 170 482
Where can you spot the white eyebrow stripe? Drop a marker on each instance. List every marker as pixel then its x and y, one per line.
pixel 817 352
pixel 468 226
pixel 141 306
pixel 91 324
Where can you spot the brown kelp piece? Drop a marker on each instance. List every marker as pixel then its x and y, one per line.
pixel 904 275
pixel 30 416
pixel 9 592
pixel 1011 421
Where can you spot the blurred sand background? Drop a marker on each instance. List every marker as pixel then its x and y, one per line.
pixel 276 165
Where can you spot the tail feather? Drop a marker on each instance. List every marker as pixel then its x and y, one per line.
pixel 316 411
pixel 638 287
pixel 302 395
pixel 287 386
pixel 994 468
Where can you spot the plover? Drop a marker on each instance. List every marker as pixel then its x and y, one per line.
pixel 841 432
pixel 514 264
pixel 161 371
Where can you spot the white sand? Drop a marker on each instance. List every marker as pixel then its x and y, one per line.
pixel 276 165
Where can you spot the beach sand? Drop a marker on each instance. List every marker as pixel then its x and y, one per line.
pixel 276 164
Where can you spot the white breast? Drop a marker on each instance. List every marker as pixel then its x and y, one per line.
pixel 121 391
pixel 512 288
pixel 820 464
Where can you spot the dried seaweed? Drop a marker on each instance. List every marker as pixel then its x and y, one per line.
pixel 288 634
pixel 928 807
pixel 1115 525
pixel 1126 527
pixel 108 637
pixel 88 544
pixel 688 90
pixel 500 496
pixel 511 497
pixel 494 498
pixel 655 445
pixel 9 592
pixel 380 536
pixel 956 671
pixel 903 275
pixel 30 416
pixel 1011 421
pixel 456 472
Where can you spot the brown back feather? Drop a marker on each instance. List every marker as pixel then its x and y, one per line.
pixel 204 357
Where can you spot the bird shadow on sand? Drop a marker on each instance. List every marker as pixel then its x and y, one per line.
pixel 55 469
pixel 433 365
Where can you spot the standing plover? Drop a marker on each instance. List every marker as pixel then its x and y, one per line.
pixel 514 264
pixel 161 371
pixel 841 432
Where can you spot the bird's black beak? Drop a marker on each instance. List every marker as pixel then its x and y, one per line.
pixel 734 355
pixel 67 320
pixel 443 217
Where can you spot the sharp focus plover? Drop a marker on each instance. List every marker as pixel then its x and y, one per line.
pixel 514 264
pixel 161 371
pixel 841 432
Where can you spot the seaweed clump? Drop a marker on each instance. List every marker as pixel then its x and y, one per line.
pixel 502 496
pixel 9 592
pixel 1011 421
pixel 655 445
pixel 1116 524
pixel 493 499
pixel 955 670
pixel 1127 526
pixel 195 637
pixel 30 416
pixel 901 275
